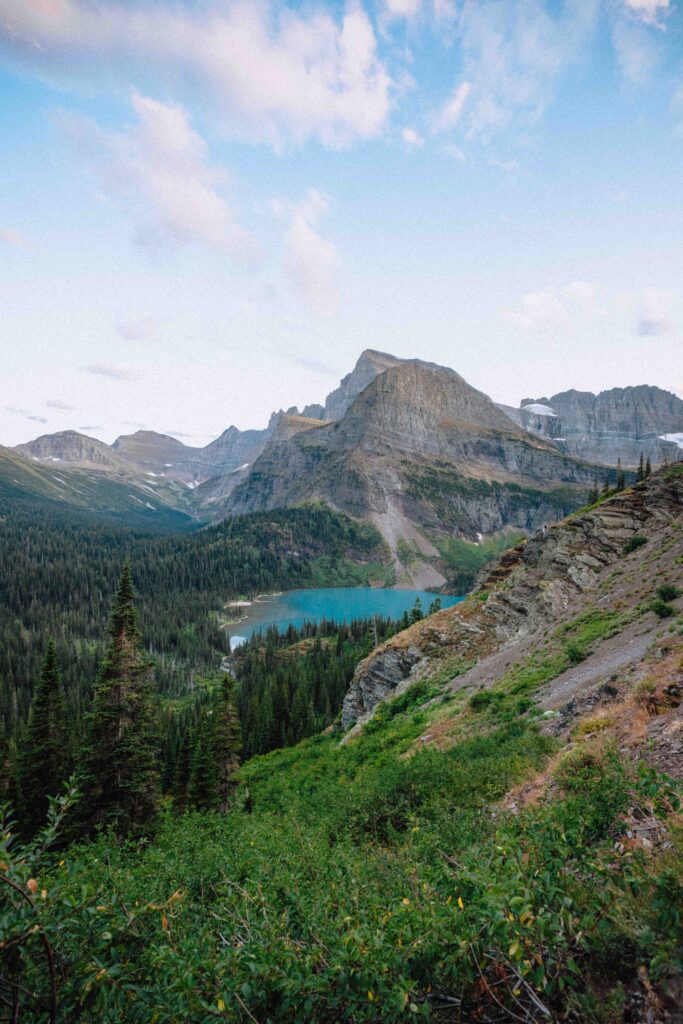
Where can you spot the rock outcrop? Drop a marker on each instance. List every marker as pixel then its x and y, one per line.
pixel 531 589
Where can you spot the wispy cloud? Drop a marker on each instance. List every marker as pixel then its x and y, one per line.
pixel 315 365
pixel 551 311
pixel 450 113
pixel 160 169
pixel 105 370
pixel 11 236
pixel 263 70
pixel 56 403
pixel 311 259
pixel 412 138
pixel 655 316
pixel 26 414
pixel 650 12
pixel 512 57
pixel 138 330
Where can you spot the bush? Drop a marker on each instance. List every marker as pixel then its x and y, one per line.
pixel 575 652
pixel 633 543
pixel 668 592
pixel 661 608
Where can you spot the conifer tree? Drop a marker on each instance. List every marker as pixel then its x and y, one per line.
pixel 119 778
pixel 227 743
pixel 648 468
pixel 621 477
pixel 640 475
pixel 202 788
pixel 42 760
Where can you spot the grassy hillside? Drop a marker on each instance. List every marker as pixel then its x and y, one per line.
pixel 383 880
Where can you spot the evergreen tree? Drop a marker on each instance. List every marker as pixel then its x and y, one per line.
pixel 621 478
pixel 118 764
pixel 202 788
pixel 648 468
pixel 593 494
pixel 42 760
pixel 640 475
pixel 416 613
pixel 227 743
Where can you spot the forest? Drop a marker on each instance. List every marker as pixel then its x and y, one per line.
pixel 58 571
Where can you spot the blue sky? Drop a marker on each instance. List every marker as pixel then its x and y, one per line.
pixel 208 209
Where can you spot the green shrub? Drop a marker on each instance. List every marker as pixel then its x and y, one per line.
pixel 633 543
pixel 661 609
pixel 575 652
pixel 668 592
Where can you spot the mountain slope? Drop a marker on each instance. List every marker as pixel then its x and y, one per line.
pixel 109 493
pixel 422 455
pixel 607 561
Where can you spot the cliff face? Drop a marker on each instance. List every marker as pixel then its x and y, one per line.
pixel 370 364
pixel 562 569
pixel 615 425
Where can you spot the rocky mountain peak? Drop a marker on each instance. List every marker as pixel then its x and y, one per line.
pixel 69 446
pixel 418 405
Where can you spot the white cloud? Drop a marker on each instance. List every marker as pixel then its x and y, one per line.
pixel 551 310
pixel 637 52
pixel 412 138
pixel 655 316
pixel 105 370
pixel 649 12
pixel 509 166
pixel 138 330
pixel 261 69
pixel 311 259
pixel 444 10
pixel 11 236
pixel 394 9
pixel 513 54
pixel 56 403
pixel 451 111
pixel 160 168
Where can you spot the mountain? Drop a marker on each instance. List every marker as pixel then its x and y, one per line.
pixel 370 364
pixel 445 474
pixel 614 425
pixel 423 456
pixel 75 449
pixel 108 493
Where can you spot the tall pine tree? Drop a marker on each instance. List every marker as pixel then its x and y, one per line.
pixel 227 743
pixel 43 752
pixel 119 778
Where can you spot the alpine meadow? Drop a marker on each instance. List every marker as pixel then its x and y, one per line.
pixel 341 512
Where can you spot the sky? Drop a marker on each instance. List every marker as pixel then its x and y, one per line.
pixel 209 208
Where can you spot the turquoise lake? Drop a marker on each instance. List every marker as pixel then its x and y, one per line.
pixel 339 603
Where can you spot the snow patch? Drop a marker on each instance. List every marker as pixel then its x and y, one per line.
pixel 192 484
pixel 539 410
pixel 240 468
pixel 150 506
pixel 674 438
pixel 148 472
